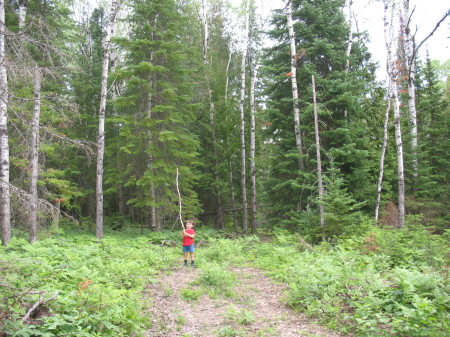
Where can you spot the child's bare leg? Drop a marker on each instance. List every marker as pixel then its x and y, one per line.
pixel 192 257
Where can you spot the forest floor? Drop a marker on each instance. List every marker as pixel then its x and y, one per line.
pixel 255 308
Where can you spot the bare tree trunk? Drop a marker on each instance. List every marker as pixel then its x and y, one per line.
pixel 383 153
pixel 253 73
pixel 319 162
pixel 5 197
pixel 227 75
pixel 233 199
pixel 349 43
pixel 408 43
pixel 35 155
pixel 394 80
pixel 241 109
pixel 101 121
pixel 293 75
pixel 23 6
pixel 350 37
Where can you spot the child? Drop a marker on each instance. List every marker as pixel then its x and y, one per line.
pixel 188 242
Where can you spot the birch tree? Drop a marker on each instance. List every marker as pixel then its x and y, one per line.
pixel 23 7
pixel 253 73
pixel 242 114
pixel 393 75
pixel 293 75
pixel 5 196
pixel 410 69
pixel 35 154
pixel 101 120
pixel 382 156
pixel 318 159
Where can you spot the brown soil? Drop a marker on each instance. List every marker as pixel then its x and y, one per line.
pixel 254 309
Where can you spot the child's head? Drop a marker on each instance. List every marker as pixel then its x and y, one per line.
pixel 189 224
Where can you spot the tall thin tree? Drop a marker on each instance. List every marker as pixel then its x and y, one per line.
pixel 318 159
pixel 101 119
pixel 35 154
pixel 293 76
pixel 382 156
pixel 5 195
pixel 242 113
pixel 393 74
pixel 253 74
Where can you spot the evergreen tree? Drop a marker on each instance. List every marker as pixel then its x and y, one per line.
pixel 156 79
pixel 321 34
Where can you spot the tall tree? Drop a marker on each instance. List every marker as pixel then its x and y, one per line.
pixel 242 113
pixel 293 76
pixel 35 154
pixel 393 70
pixel 115 6
pixel 5 197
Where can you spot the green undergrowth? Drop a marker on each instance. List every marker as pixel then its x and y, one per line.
pixel 388 282
pixel 98 285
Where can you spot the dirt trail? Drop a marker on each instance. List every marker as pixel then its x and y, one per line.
pixel 256 309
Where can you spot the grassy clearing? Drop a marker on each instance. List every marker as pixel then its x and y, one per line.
pixel 384 283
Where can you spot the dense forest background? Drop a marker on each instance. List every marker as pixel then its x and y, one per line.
pixel 200 99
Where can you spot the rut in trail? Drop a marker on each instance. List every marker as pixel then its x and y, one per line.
pixel 254 309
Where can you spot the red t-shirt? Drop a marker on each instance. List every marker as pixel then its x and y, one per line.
pixel 187 241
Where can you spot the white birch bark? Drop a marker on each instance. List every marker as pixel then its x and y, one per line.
pixel 101 121
pixel 205 29
pixel 242 129
pixel 393 74
pixel 297 122
pixel 5 195
pixel 253 73
pixel 350 37
pixel 35 155
pixel 227 79
pixel 348 50
pixel 319 162
pixel 23 7
pixel 408 43
pixel 382 156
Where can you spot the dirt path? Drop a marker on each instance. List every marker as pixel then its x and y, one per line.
pixel 254 309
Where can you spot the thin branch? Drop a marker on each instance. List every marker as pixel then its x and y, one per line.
pixel 432 32
pixel 179 201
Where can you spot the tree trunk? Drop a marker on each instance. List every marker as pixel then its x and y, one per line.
pixel 319 163
pixel 5 197
pixel 233 200
pixel 35 155
pixel 227 75
pixel 393 74
pixel 293 75
pixel 383 153
pixel 23 6
pixel 242 130
pixel 253 72
pixel 349 44
pixel 410 68
pixel 101 122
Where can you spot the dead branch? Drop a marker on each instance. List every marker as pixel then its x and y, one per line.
pixel 44 206
pixel 431 34
pixel 39 303
pixel 179 199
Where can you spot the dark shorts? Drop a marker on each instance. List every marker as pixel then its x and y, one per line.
pixel 188 249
